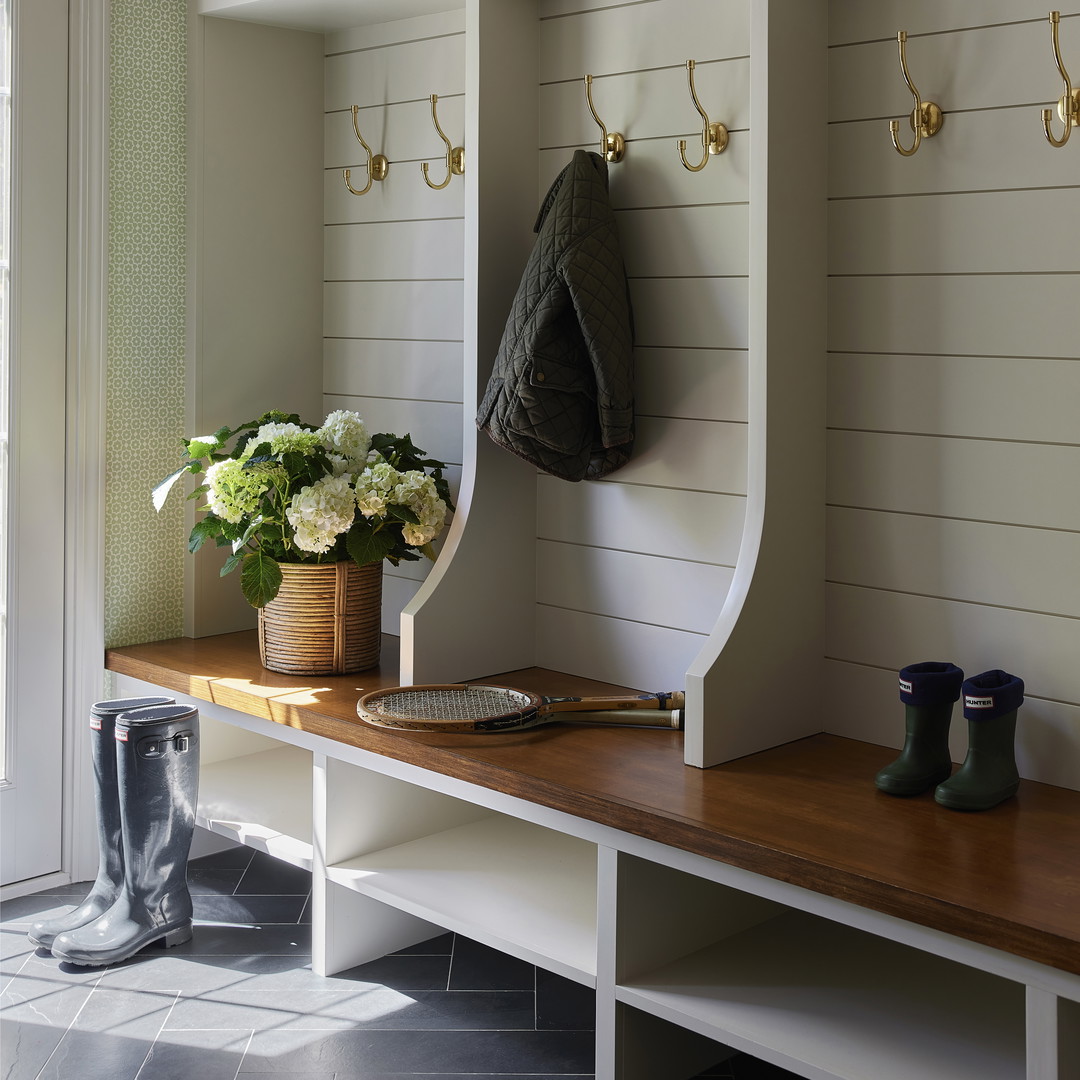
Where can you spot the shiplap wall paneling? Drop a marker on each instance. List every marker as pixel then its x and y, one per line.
pixel 632 571
pixel 954 372
pixel 393 291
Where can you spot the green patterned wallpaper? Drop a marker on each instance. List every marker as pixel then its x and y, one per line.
pixel 145 383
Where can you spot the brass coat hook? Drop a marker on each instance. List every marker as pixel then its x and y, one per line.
pixel 612 144
pixel 926 118
pixel 455 155
pixel 1069 106
pixel 377 165
pixel 714 137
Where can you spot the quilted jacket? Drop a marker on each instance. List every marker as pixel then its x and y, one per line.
pixel 561 391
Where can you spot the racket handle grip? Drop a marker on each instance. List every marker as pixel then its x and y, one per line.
pixel 672 719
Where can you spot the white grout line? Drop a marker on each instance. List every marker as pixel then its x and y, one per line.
pixel 165 1020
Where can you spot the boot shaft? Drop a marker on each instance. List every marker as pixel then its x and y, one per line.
pixel 157 752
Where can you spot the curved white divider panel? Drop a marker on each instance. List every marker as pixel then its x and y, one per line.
pixel 474 614
pixel 757 681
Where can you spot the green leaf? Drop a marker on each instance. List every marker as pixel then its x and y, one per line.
pixel 231 563
pixel 202 489
pixel 161 492
pixel 367 545
pixel 203 531
pixel 402 513
pixel 260 579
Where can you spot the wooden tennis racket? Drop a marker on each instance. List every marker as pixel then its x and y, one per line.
pixel 487 707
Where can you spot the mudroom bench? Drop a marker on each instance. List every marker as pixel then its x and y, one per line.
pixel 777 904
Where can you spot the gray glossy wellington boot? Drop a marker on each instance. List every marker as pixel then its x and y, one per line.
pixel 110 875
pixel 157 756
pixel 928 691
pixel 989 774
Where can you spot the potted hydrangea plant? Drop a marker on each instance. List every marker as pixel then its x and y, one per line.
pixel 310 513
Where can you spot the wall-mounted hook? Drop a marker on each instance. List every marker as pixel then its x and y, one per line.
pixel 926 118
pixel 455 155
pixel 612 144
pixel 1069 106
pixel 714 137
pixel 377 165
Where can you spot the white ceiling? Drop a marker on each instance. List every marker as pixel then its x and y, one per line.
pixel 324 15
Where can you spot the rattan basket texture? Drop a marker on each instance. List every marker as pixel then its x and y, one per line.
pixel 325 620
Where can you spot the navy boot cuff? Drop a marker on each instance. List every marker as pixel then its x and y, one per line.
pixel 993 693
pixel 930 683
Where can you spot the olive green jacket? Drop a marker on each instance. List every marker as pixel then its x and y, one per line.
pixel 561 393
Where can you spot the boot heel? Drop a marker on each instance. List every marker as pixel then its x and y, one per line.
pixel 178 936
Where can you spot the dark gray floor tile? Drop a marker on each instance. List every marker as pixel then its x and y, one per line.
pixel 443 945
pixel 204 881
pixel 193 974
pixel 110 1038
pixel 478 967
pixel 185 1055
pixel 266 875
pixel 234 858
pixel 249 909
pixel 368 1007
pixel 215 938
pixel 291 1076
pixel 19 913
pixel 403 971
pixel 15 947
pixel 352 1053
pixel 562 1004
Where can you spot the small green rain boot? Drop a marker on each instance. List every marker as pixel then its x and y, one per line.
pixel 988 775
pixel 928 691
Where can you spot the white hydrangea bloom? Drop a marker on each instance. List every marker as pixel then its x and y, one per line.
pixel 343 432
pixel 234 492
pixel 321 512
pixel 375 488
pixel 341 465
pixel 283 438
pixel 416 490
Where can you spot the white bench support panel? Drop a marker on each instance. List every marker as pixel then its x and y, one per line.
pixel 474 613
pixel 767 639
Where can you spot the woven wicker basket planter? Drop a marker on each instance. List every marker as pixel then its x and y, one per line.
pixel 325 620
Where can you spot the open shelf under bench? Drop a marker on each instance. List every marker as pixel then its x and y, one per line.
pixel 805 813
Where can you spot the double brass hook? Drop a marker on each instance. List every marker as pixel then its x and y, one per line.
pixel 612 143
pixel 377 165
pixel 714 137
pixel 455 155
pixel 1069 106
pixel 926 118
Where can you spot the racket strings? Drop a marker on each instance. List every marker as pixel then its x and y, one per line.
pixel 468 703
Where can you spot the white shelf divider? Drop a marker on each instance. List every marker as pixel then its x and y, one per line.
pixel 515 886
pixel 261 800
pixel 832 1003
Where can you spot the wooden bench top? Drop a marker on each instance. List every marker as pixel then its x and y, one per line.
pixel 805 813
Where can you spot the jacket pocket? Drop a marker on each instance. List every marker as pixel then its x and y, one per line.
pixel 548 372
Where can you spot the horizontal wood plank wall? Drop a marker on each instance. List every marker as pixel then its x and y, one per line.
pixel 954 377
pixel 632 571
pixel 393 293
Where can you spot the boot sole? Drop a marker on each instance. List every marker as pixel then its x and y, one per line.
pixel 893 786
pixel 178 935
pixel 954 802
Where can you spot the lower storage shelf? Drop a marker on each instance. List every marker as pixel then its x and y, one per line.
pixel 515 886
pixel 261 800
pixel 828 1001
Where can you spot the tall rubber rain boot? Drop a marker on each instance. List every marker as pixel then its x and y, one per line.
pixel 157 756
pixel 110 875
pixel 988 775
pixel 928 691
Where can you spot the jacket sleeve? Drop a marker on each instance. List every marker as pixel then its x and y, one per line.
pixel 596 280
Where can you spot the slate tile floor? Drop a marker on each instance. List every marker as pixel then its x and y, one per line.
pixel 240 1002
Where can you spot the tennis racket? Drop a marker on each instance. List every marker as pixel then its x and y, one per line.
pixel 486 707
